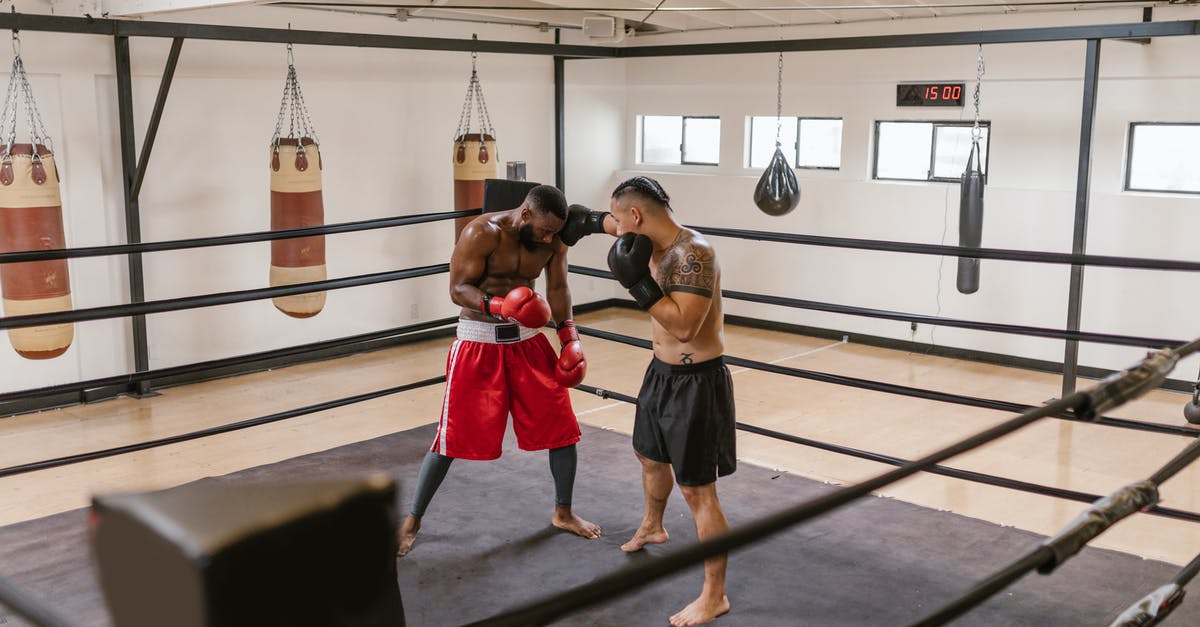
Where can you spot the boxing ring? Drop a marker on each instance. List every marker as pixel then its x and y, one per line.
pixel 1089 405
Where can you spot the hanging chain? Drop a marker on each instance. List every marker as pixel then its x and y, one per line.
pixel 19 90
pixel 292 105
pixel 474 105
pixel 779 101
pixel 975 131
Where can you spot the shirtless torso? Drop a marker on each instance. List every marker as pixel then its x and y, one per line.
pixel 491 258
pixel 686 270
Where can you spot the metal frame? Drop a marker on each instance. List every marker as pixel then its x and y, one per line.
pixel 1083 186
pixel 134 168
pixel 133 221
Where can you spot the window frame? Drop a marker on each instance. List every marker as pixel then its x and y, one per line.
pixel 796 157
pixel 930 178
pixel 641 140
pixel 1129 160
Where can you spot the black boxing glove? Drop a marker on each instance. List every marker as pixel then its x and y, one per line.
pixel 581 221
pixel 629 260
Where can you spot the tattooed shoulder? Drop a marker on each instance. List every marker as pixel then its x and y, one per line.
pixel 688 266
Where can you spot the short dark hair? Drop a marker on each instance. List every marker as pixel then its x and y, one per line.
pixel 548 199
pixel 645 187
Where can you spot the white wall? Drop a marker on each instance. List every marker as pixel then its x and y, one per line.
pixel 1032 94
pixel 385 117
pixel 386 120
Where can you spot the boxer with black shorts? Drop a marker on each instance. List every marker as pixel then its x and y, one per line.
pixel 685 415
pixel 501 364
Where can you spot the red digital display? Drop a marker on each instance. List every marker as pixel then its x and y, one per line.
pixel 930 94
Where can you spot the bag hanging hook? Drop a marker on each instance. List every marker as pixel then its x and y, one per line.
pixel 16 31
pixel 474 52
pixel 291 59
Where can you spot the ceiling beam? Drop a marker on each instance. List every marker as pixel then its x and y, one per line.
pixel 131 8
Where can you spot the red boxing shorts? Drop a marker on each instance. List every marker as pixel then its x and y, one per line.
pixel 495 370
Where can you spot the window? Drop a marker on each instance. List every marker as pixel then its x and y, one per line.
pixel 807 142
pixel 680 139
pixel 926 151
pixel 1163 157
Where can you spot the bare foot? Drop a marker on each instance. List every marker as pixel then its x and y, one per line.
pixel 407 534
pixel 566 520
pixel 643 536
pixel 701 611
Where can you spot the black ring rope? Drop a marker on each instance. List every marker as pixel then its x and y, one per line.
pixel 1156 606
pixel 890 388
pixel 223 240
pixel 946 471
pixel 640 574
pixel 1109 392
pixel 1187 573
pixel 795 303
pixel 221 298
pixel 1056 550
pixel 225 362
pixel 37 613
pixel 956 251
pixel 235 426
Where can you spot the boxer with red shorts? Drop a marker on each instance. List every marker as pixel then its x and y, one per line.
pixel 501 364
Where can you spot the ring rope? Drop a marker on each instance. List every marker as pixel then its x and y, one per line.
pixel 1057 549
pixel 1154 607
pixel 219 298
pixel 241 238
pixel 795 303
pixel 1006 254
pixel 891 388
pixel 1108 393
pixel 226 428
pixel 225 362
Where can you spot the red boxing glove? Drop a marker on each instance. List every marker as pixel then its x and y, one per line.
pixel 571 366
pixel 521 305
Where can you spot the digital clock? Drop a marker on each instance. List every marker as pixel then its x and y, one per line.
pixel 930 94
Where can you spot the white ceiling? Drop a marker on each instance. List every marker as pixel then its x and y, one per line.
pixel 661 16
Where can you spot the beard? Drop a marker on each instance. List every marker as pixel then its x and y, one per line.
pixel 525 235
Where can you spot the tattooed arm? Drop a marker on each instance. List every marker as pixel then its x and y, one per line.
pixel 688 276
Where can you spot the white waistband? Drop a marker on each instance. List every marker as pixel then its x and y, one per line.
pixel 493 332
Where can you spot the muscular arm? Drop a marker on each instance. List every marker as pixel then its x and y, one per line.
pixel 688 275
pixel 469 263
pixel 558 293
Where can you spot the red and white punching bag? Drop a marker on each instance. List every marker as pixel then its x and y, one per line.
pixel 31 219
pixel 296 202
pixel 474 161
pixel 474 155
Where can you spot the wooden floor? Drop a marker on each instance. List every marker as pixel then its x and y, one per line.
pixel 1076 456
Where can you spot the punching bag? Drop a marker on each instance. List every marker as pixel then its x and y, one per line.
pixel 474 161
pixel 31 219
pixel 777 192
pixel 474 155
pixel 970 222
pixel 296 203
